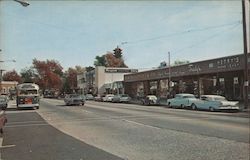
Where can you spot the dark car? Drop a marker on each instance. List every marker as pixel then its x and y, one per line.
pixel 89 97
pixel 3 119
pixel 149 100
pixel 3 102
pixel 74 99
pixel 98 98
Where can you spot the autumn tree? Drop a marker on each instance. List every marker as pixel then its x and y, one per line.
pixel 49 74
pixel 111 59
pixel 12 76
pixel 70 82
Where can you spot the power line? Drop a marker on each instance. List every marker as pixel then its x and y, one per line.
pixel 184 32
pixel 205 40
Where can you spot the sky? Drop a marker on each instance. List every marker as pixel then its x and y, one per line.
pixel 75 32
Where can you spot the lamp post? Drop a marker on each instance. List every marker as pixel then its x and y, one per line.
pixel 22 2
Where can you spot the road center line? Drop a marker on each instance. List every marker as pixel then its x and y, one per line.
pixel 141 124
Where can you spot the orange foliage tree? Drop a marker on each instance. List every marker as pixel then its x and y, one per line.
pixel 12 76
pixel 49 74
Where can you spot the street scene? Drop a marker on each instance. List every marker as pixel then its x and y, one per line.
pixel 103 130
pixel 124 80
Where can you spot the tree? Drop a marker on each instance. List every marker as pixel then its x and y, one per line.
pixel 112 61
pixel 163 64
pixel 49 74
pixel 72 78
pixel 12 76
pixel 28 75
pixel 180 62
pixel 89 68
pixel 100 61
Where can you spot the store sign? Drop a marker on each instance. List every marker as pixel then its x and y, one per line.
pixel 114 70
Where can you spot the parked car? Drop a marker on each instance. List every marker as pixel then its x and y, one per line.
pixel 98 98
pixel 149 100
pixel 89 97
pixel 108 98
pixel 182 100
pixel 3 102
pixel 74 99
pixel 125 98
pixel 215 102
pixel 3 119
pixel 116 98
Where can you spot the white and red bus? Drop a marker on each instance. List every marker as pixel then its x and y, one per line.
pixel 27 95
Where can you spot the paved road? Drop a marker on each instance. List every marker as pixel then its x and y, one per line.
pixel 28 136
pixel 148 132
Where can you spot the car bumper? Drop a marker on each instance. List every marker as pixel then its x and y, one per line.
pixel 229 108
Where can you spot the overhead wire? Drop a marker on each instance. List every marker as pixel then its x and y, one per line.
pixel 183 32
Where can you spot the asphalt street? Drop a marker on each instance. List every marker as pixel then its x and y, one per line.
pixel 101 130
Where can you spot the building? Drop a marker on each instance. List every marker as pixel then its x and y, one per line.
pixel 223 76
pixel 7 86
pixel 103 80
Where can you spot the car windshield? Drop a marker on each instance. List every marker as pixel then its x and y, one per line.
pixel 219 98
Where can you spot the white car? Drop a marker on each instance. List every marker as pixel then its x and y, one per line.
pixel 108 98
pixel 182 100
pixel 215 102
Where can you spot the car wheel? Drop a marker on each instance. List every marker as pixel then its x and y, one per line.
pixel 37 107
pixel 169 105
pixel 182 106
pixel 82 104
pixel 211 109
pixel 193 106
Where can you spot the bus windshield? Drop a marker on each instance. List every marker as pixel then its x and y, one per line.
pixel 27 92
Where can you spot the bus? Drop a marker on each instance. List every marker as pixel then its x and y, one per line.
pixel 27 95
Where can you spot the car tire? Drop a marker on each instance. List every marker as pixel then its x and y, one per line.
pixel 37 107
pixel 169 105
pixel 82 104
pixel 193 106
pixel 211 109
pixel 182 106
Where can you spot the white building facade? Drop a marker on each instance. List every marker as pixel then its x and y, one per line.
pixel 103 80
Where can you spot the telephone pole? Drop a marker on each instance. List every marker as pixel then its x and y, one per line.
pixel 246 81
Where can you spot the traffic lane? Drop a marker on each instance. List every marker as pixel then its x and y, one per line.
pixel 190 124
pixel 203 124
pixel 133 140
pixel 41 141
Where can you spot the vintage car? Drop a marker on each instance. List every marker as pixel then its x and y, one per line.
pixel 108 98
pixel 89 97
pixel 74 99
pixel 215 103
pixel 3 102
pixel 183 100
pixel 149 100
pixel 123 98
pixel 3 119
pixel 98 98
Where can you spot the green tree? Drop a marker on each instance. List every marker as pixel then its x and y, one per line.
pixel 100 61
pixel 28 75
pixel 180 62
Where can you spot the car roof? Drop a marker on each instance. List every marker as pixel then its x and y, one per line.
pixel 213 96
pixel 185 94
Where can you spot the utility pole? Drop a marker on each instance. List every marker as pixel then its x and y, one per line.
pixel 246 82
pixel 169 74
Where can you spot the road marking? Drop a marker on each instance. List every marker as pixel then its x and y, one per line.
pixel 7 146
pixel 141 124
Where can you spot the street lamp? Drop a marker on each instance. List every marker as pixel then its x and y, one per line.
pixel 22 2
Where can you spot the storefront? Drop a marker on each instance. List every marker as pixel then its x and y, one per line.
pixel 222 76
